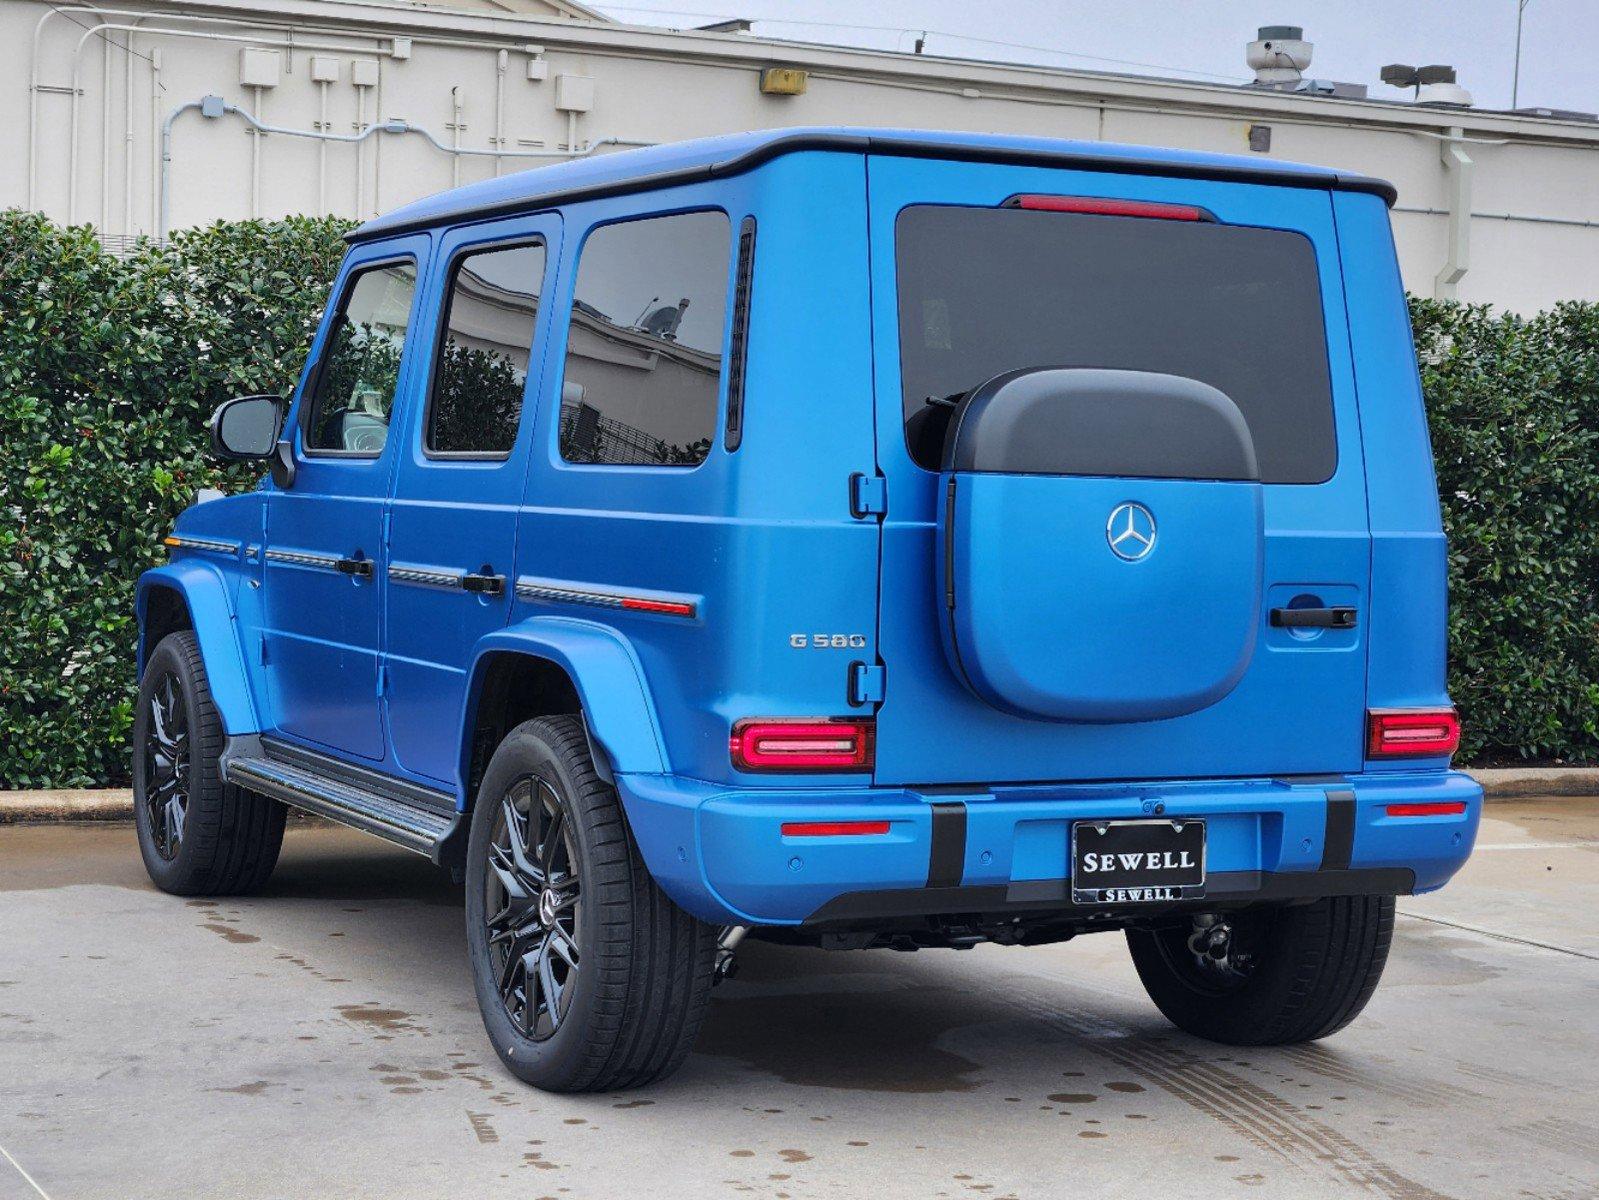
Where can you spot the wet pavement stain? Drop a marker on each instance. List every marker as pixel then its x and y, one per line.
pixel 833 1040
pixel 1123 1085
pixel 388 1019
pixel 634 1104
pixel 229 933
pixel 794 1156
pixel 244 1089
pixel 1074 1097
pixel 483 1126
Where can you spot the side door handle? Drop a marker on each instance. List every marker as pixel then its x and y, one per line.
pixel 361 568
pixel 483 584
pixel 1313 618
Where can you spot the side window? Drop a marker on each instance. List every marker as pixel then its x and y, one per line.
pixel 483 354
pixel 349 410
pixel 644 355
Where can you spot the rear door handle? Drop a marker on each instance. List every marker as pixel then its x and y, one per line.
pixel 361 568
pixel 482 584
pixel 1313 618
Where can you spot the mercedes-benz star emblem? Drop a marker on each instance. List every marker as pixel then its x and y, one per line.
pixel 1130 531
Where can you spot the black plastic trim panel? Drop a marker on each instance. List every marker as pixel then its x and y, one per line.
pixel 1053 896
pixel 1339 841
pixel 946 860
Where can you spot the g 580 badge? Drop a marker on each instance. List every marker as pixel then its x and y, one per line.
pixel 827 641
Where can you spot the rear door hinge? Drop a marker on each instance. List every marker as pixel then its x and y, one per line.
pixel 868 683
pixel 868 495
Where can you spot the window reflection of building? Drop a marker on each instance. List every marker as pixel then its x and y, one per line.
pixel 644 381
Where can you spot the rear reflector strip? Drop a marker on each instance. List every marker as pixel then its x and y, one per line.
pixel 1412 733
pixel 675 608
pixel 1100 206
pixel 562 593
pixel 820 744
pixel 834 828
pixel 1442 808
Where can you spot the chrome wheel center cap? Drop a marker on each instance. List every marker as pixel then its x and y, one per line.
pixel 547 900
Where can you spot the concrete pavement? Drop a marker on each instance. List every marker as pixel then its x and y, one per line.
pixel 321 1040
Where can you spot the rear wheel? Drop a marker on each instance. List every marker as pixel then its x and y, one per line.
pixel 1268 976
pixel 588 977
pixel 198 834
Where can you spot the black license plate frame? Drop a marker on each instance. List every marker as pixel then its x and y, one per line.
pixel 1178 841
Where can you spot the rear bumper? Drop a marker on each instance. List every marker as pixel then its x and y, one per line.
pixel 720 852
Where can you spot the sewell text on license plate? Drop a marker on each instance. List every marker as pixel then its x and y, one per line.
pixel 1138 862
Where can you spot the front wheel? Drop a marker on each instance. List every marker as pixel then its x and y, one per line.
pixel 1267 976
pixel 199 835
pixel 587 976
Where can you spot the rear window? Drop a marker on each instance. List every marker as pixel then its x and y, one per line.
pixel 987 290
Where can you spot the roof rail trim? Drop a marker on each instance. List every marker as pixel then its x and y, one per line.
pixel 873 144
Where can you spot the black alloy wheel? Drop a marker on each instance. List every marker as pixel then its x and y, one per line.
pixel 199 835
pixel 167 765
pixel 532 908
pixel 588 977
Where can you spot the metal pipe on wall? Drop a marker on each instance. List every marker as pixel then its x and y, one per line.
pixel 214 107
pixel 322 151
pixel 255 157
pixel 155 133
pixel 455 135
pixel 501 62
pixel 103 31
pixel 360 149
pixel 1457 170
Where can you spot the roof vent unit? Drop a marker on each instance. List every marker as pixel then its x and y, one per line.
pixel 1335 88
pixel 1434 84
pixel 1279 56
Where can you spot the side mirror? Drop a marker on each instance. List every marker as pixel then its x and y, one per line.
pixel 247 427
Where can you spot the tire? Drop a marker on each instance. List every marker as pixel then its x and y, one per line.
pixel 199 836
pixel 1309 971
pixel 630 972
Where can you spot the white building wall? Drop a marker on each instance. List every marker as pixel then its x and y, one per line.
pixel 1534 184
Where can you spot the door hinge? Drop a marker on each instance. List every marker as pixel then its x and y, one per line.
pixel 264 659
pixel 867 683
pixel 868 495
pixel 383 681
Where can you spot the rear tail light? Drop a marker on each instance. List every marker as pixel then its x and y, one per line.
pixel 819 744
pixel 1100 206
pixel 1439 808
pixel 1412 733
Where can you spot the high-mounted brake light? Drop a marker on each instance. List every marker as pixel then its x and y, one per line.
pixel 834 828
pixel 820 744
pixel 1412 733
pixel 1439 808
pixel 1100 206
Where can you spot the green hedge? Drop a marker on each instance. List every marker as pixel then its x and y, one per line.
pixel 1514 409
pixel 109 368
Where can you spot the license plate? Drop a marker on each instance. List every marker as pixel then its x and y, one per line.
pixel 1137 862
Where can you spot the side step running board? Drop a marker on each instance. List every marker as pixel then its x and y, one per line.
pixel 389 817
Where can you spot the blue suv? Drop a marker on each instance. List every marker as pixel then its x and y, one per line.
pixel 864 538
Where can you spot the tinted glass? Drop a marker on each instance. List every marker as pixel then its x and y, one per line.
pixel 488 338
pixel 644 355
pixel 361 365
pixel 986 290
